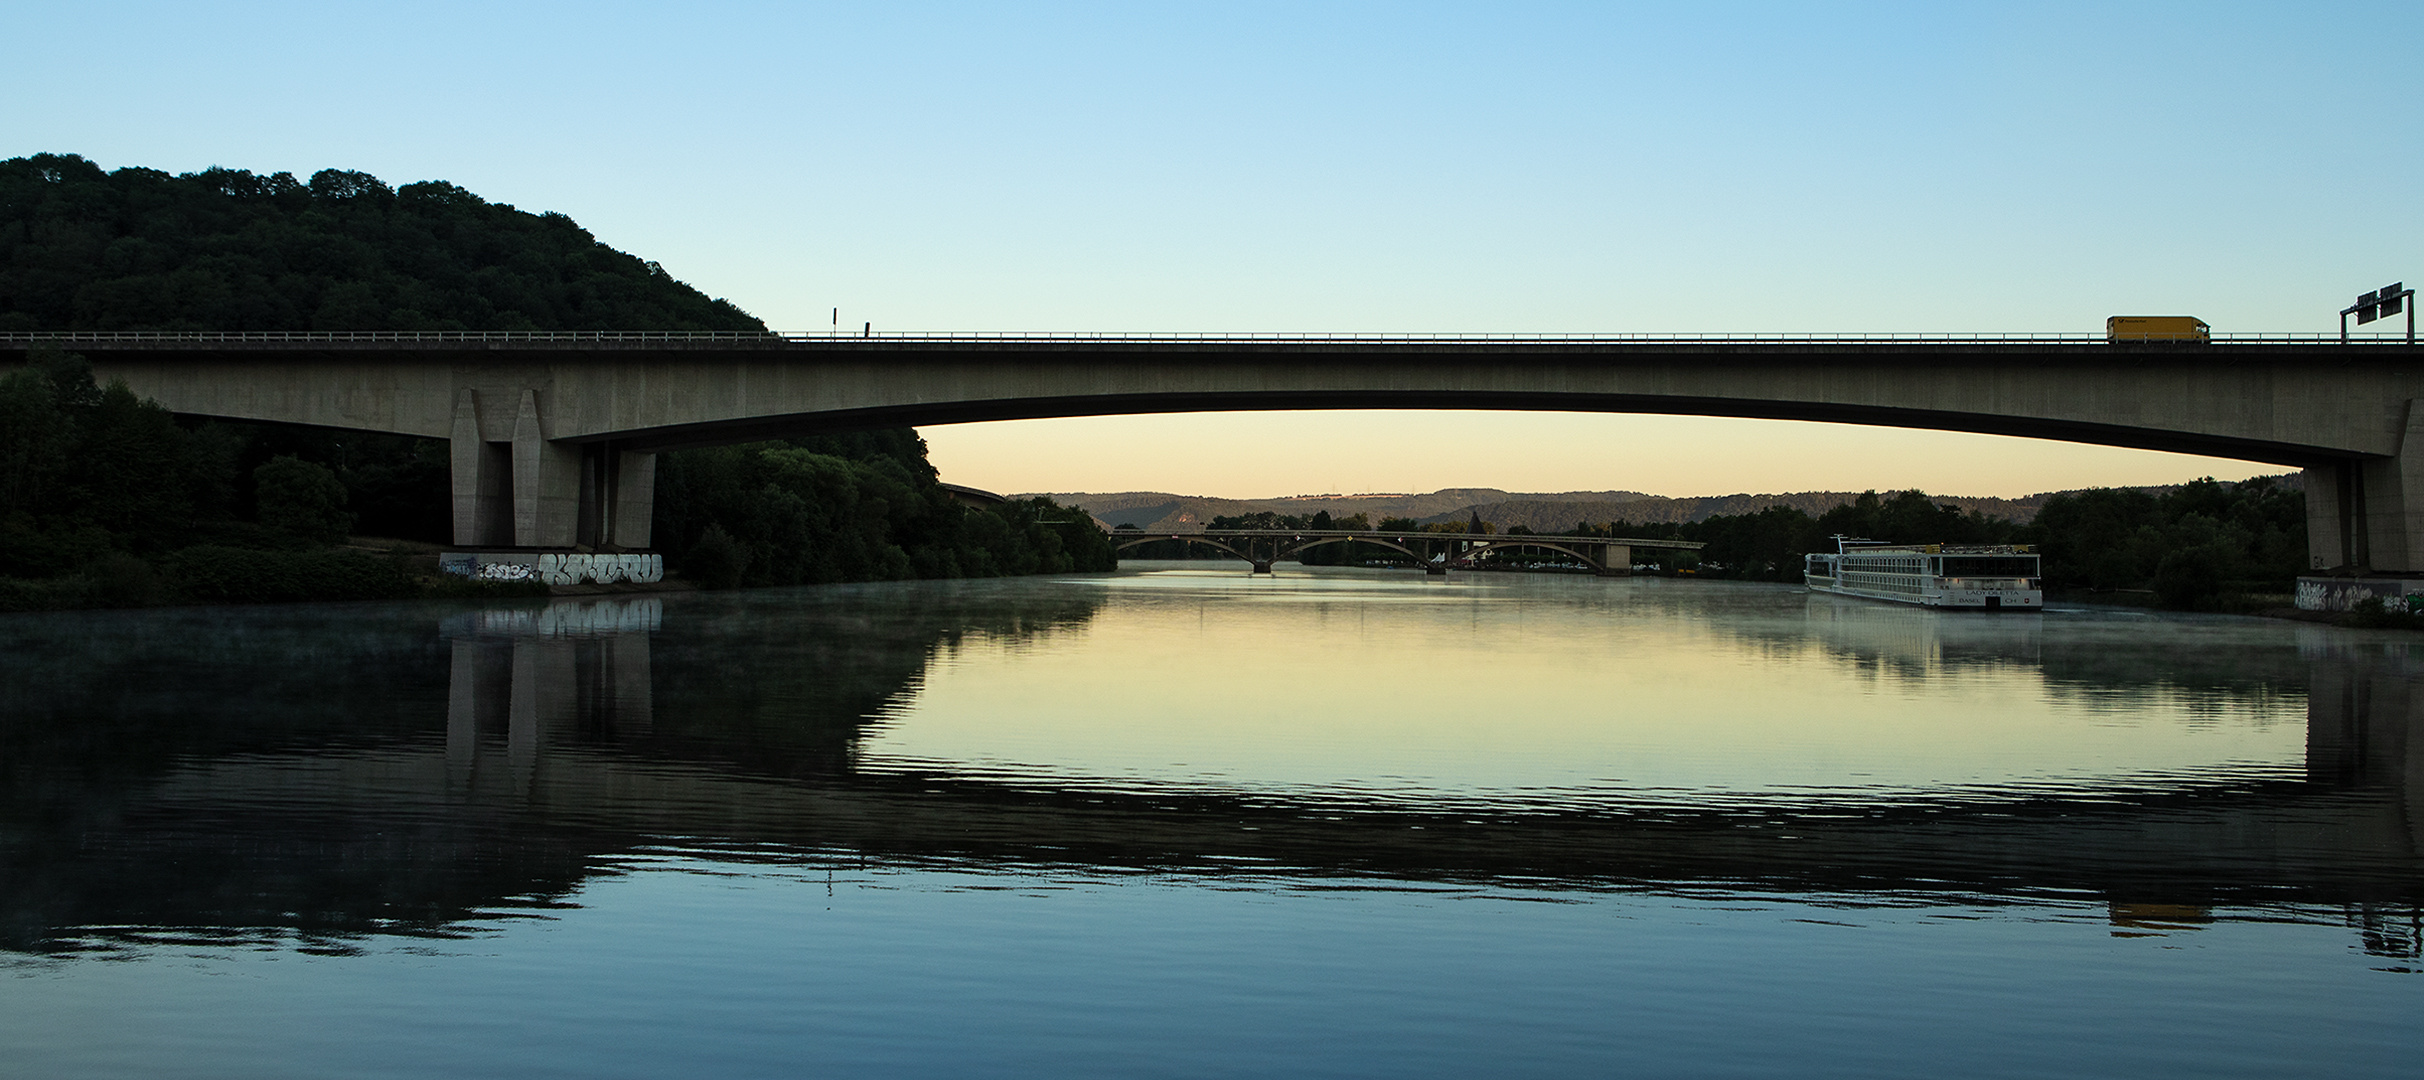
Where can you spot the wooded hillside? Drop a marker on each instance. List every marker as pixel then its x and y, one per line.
pixel 224 249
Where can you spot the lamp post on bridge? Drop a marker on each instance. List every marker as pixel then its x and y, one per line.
pixel 2382 303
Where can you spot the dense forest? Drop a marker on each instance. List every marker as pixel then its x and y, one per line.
pixel 109 500
pixel 224 249
pixel 859 506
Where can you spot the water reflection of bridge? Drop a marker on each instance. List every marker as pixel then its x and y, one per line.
pixel 1435 552
pixel 568 745
pixel 548 669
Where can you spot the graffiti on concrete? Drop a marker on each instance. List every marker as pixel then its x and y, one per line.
pixel 555 568
pixel 2344 594
pixel 575 568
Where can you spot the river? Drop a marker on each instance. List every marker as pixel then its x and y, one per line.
pixel 1183 821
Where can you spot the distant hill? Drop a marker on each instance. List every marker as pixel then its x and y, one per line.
pixel 1161 511
pixel 1557 514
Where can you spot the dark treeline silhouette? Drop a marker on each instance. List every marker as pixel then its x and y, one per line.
pixel 861 506
pixel 224 249
pixel 108 500
pixel 2202 545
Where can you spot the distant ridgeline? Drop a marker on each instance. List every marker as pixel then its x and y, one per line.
pixel 1541 512
pixel 105 500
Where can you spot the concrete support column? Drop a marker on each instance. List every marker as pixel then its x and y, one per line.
pixel 1616 560
pixel 2330 539
pixel 546 482
pixel 634 516
pixel 482 480
pixel 2386 508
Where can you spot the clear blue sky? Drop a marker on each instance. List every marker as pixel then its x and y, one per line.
pixel 1546 167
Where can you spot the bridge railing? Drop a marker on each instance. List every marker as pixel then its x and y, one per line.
pixel 682 337
pixel 1649 338
pixel 315 336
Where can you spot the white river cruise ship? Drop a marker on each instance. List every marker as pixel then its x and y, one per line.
pixel 1992 577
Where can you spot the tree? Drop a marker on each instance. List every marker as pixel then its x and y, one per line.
pixel 303 499
pixel 35 436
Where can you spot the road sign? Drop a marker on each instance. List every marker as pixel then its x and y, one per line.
pixel 2392 299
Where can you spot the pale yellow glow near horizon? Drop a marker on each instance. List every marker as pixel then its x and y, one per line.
pixel 1252 455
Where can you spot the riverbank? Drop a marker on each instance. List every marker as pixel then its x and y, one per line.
pixel 361 568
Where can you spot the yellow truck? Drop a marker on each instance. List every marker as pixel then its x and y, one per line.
pixel 2178 328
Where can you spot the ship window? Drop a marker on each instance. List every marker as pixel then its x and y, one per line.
pixel 1991 566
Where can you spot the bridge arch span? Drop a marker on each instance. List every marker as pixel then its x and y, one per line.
pixel 1123 545
pixel 1518 541
pixel 1374 540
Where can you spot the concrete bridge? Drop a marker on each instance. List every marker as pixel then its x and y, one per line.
pixel 1435 552
pixel 555 434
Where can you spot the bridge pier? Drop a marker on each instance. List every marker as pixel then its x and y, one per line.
pixel 2367 514
pixel 528 490
pixel 1615 560
pixel 1261 566
pixel 483 477
pixel 2389 499
pixel 546 482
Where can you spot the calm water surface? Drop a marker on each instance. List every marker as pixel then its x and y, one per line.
pixel 1181 821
